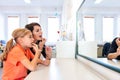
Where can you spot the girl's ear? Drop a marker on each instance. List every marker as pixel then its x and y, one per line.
pixel 20 40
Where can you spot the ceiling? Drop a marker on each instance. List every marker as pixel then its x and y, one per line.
pixel 36 6
pixel 104 3
pixel 40 3
pixel 57 3
pixel 106 7
pixel 53 5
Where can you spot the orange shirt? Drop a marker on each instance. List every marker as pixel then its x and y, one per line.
pixel 13 69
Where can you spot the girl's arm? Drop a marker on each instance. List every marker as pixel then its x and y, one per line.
pixel 31 65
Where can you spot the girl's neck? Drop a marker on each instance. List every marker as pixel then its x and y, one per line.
pixel 24 47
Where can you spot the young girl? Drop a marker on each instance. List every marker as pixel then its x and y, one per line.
pixel 36 30
pixel 17 54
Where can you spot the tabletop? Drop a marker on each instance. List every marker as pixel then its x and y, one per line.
pixel 63 69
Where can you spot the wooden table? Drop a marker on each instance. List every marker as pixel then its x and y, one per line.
pixel 63 69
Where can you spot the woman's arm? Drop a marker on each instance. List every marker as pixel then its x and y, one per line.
pixel 44 62
pixel 114 55
pixel 48 52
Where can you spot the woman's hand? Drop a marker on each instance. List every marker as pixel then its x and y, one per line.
pixel 118 51
pixel 118 41
pixel 48 52
pixel 46 62
pixel 43 40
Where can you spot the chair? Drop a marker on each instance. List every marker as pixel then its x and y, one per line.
pixel 3 42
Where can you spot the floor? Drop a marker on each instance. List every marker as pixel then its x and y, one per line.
pixel 0 68
pixel 0 73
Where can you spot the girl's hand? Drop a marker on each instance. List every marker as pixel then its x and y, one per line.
pixel 36 49
pixel 42 43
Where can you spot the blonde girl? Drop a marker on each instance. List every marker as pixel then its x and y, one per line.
pixel 17 54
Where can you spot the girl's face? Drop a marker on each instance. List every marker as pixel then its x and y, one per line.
pixel 27 40
pixel 37 33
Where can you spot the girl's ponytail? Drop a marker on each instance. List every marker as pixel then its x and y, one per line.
pixel 8 47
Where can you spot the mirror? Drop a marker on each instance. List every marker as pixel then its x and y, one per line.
pixel 93 20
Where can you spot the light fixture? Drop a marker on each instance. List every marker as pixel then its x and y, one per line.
pixel 98 1
pixel 27 1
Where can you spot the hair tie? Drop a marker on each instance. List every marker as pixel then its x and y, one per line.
pixel 13 40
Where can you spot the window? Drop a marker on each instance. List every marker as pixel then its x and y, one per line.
pixel 33 19
pixel 108 29
pixel 88 25
pixel 118 27
pixel 13 23
pixel 53 27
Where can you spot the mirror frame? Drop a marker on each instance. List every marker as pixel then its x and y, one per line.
pixel 86 57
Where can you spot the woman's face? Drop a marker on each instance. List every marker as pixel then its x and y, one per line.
pixel 37 33
pixel 118 41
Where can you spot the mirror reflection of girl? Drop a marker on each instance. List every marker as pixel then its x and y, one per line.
pixel 36 30
pixel 17 54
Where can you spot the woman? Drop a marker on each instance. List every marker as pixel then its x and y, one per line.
pixel 36 30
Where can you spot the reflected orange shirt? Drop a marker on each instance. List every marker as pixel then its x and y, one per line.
pixel 13 69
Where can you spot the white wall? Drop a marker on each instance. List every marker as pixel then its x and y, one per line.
pixel 70 8
pixel 65 49
pixel 2 27
pixel 98 28
pixel 88 48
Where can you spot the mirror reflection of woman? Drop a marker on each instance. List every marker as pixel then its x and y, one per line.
pixel 114 51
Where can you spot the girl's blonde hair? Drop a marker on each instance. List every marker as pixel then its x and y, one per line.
pixel 17 33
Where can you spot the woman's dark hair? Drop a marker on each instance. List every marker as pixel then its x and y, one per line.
pixel 31 26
